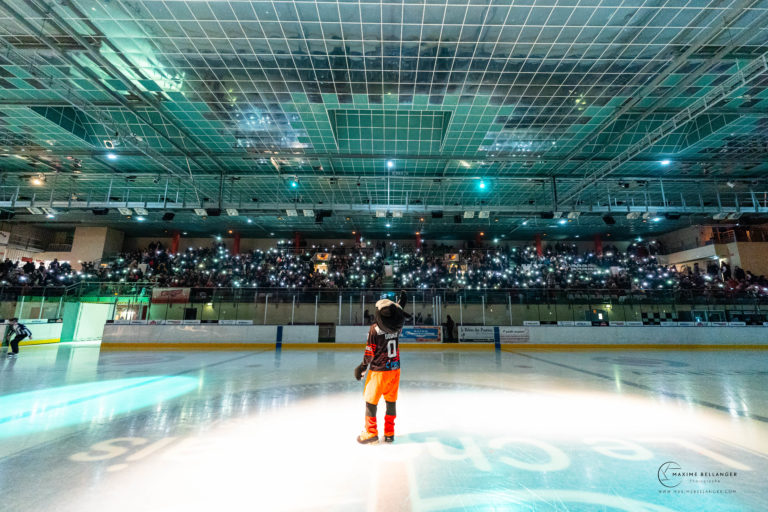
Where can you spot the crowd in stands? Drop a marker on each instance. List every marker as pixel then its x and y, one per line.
pixel 563 267
pixel 559 267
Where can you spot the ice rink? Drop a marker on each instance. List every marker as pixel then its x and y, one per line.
pixel 85 430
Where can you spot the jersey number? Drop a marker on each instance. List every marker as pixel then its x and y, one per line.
pixel 392 348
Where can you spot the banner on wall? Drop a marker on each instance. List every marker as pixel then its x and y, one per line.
pixel 476 333
pixel 422 334
pixel 170 295
pixel 513 334
pixel 4 237
pixel 486 334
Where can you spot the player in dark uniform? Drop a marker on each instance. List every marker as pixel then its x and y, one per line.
pixel 382 353
pixel 18 332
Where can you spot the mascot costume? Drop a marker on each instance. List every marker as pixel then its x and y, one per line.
pixel 382 353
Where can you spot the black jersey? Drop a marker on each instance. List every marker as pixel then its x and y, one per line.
pixel 382 350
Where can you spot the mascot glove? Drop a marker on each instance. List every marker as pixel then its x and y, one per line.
pixel 360 370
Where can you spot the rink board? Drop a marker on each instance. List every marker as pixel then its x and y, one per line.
pixel 411 334
pixel 211 336
pixel 208 335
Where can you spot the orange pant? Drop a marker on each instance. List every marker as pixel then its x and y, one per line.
pixel 381 383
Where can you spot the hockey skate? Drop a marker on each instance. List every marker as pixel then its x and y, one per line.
pixel 366 437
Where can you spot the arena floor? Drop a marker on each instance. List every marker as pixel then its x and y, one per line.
pixel 87 430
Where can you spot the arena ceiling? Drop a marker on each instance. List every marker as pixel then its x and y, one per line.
pixel 380 115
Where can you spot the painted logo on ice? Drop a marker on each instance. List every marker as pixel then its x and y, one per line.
pixel 667 474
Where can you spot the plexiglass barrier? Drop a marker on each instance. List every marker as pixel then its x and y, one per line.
pixel 286 306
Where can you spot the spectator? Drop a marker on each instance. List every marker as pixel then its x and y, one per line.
pixel 449 326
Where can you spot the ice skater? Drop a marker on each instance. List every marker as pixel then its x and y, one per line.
pixel 19 332
pixel 382 353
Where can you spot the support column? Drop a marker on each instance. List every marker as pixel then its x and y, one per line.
pixel 175 242
pixel 418 240
pixel 479 239
pixel 598 246
pixel 236 244
pixel 358 238
pixel 539 250
pixel 296 242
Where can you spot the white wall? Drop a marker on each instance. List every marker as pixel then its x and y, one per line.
pixel 42 332
pixel 722 336
pixel 89 244
pixel 752 256
pixel 91 320
pixel 352 334
pixel 211 334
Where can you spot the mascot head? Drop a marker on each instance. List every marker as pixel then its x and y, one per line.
pixel 389 316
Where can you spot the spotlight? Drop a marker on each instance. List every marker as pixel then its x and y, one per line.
pixel 390 164
pixel 656 219
pixel 665 162
pixel 112 156
pixel 481 185
pixel 38 180
pixel 562 221
pixel 730 184
pixel 140 218
pixel 294 183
